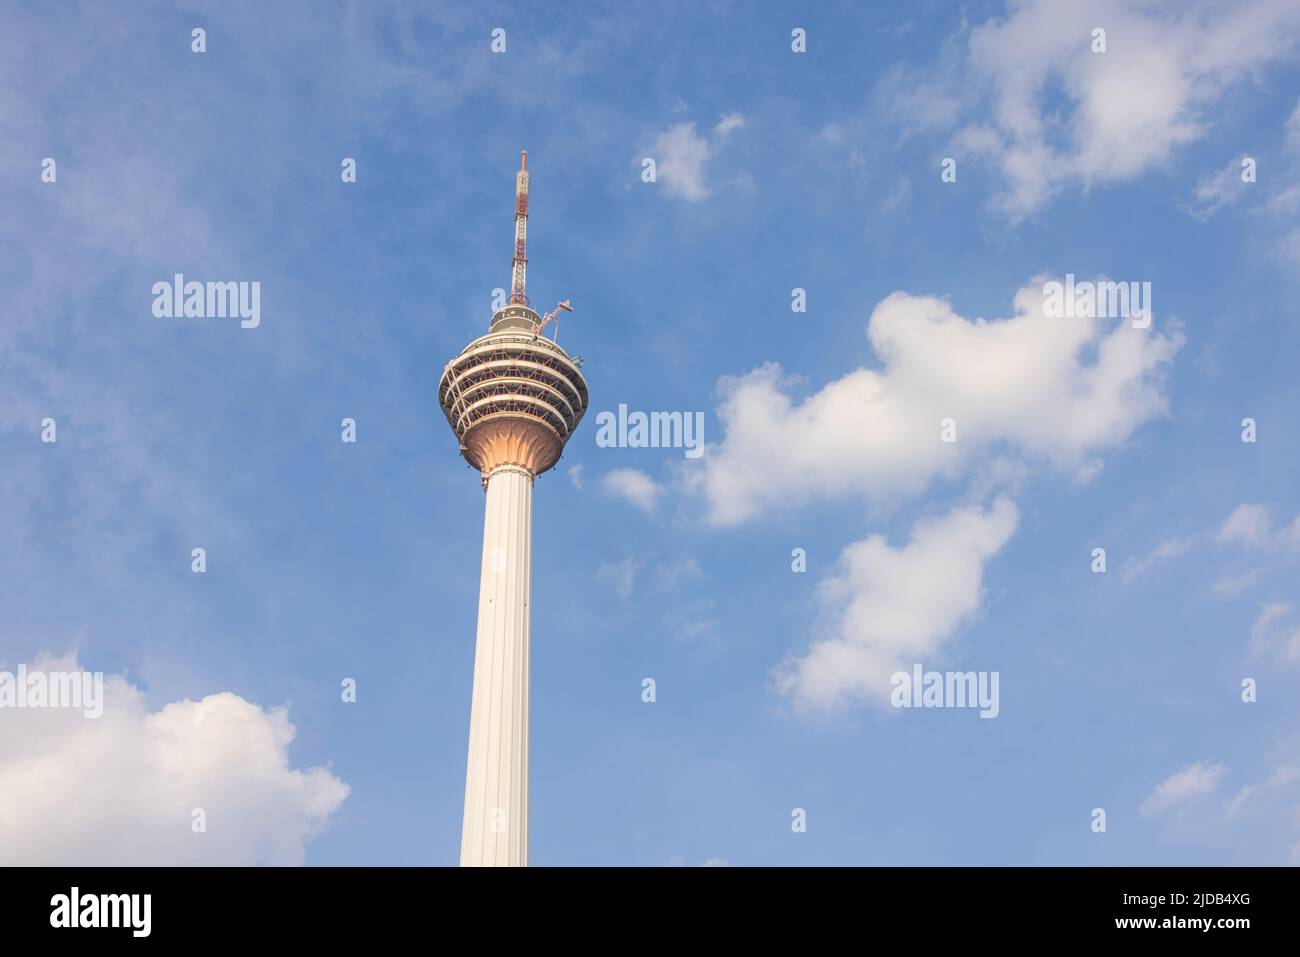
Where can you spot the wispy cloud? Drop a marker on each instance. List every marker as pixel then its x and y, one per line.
pixel 1061 112
pixel 620 574
pixel 1251 526
pixel 1169 549
pixel 1280 777
pixel 632 485
pixel 1232 586
pixel 1272 631
pixel 682 570
pixel 1219 189
pixel 1191 782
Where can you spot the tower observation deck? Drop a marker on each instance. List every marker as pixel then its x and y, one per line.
pixel 513 398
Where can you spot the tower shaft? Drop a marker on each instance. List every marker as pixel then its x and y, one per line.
pixel 495 829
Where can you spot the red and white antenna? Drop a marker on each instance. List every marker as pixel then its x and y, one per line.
pixel 519 268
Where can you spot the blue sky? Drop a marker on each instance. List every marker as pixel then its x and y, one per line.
pixel 776 170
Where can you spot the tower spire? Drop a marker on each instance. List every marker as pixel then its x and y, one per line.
pixel 519 267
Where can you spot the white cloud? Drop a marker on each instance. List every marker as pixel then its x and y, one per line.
pixel 893 607
pixel 1285 202
pixel 1239 799
pixel 832 133
pixel 1192 781
pixel 575 476
pixel 1273 632
pixel 918 104
pixel 1170 549
pixel 681 570
pixel 681 860
pixel 1293 130
pixel 633 486
pixel 898 196
pixel 682 155
pixel 1062 113
pixel 1027 386
pixel 620 574
pixel 120 789
pixel 1247 525
pixel 1251 526
pixel 1232 586
pixel 727 124
pixel 1219 189
pixel 693 630
pixel 1289 537
pixel 1269 614
pixel 1281 776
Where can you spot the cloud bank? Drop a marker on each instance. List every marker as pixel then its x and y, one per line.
pixel 122 789
pixel 1046 389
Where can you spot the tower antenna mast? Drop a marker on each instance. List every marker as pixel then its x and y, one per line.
pixel 519 267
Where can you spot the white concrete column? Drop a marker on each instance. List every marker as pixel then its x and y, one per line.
pixel 495 831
